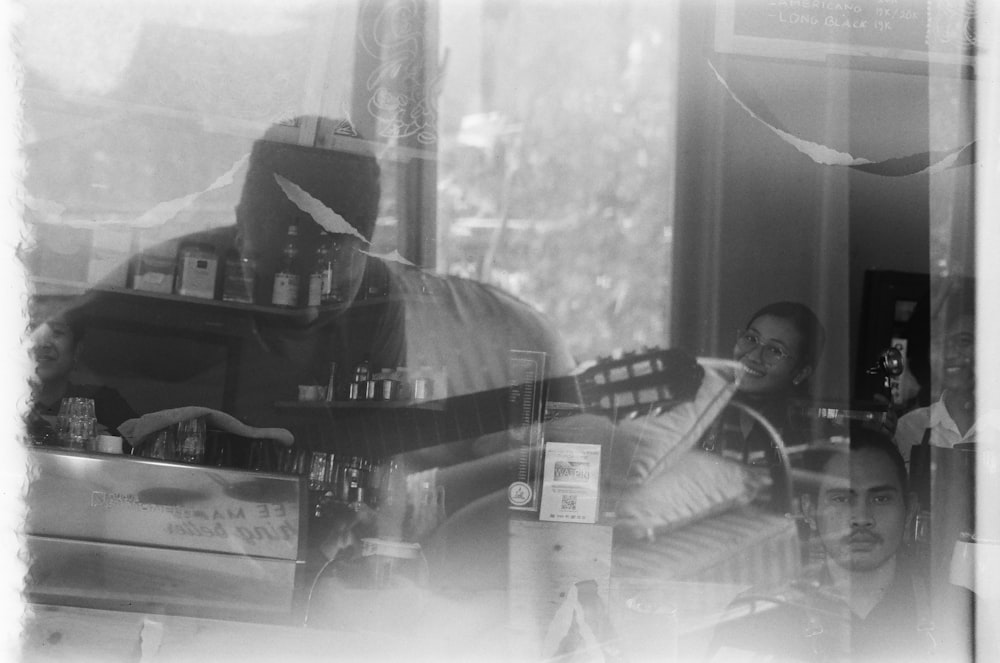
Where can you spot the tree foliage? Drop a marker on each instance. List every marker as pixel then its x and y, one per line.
pixel 578 183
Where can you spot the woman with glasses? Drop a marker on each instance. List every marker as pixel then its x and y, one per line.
pixel 778 349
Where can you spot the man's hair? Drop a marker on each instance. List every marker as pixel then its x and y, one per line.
pixel 814 461
pixel 805 321
pixel 77 325
pixel 347 180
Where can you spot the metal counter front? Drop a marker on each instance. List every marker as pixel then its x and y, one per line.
pixel 134 534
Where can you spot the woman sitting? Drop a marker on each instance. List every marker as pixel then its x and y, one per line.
pixel 778 349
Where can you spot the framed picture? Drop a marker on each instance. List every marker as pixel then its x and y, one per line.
pixel 861 33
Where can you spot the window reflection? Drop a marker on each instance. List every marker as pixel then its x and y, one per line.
pixel 530 218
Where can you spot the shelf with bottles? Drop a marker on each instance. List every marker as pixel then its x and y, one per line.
pixel 49 287
pixel 318 407
pixel 45 287
pixel 402 387
pixel 201 272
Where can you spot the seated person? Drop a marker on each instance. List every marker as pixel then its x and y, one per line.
pixel 388 312
pixel 55 346
pixel 950 420
pixel 867 599
pixel 779 350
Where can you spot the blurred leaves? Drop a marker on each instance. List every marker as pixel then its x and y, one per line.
pixel 582 191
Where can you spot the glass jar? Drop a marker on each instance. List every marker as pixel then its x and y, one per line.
pixel 76 423
pixel 239 276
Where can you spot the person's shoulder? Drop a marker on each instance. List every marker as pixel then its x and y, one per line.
pixel 85 389
pixel 430 283
pixel 476 301
pixel 911 425
pixel 920 414
pixel 102 394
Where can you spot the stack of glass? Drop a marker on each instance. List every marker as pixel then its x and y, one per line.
pixel 76 424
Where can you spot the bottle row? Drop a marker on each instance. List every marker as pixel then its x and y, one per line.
pixel 301 278
pixel 366 384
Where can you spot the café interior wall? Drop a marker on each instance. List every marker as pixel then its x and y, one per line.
pixel 758 221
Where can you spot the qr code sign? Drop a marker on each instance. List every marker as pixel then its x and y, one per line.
pixel 568 503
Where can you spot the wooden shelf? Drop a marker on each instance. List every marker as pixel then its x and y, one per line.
pixel 48 287
pixel 315 407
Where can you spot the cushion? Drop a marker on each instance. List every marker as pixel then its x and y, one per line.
pixel 649 444
pixel 697 484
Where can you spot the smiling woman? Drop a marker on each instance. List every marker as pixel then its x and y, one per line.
pixel 778 351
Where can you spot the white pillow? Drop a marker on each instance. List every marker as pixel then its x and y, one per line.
pixel 698 484
pixel 655 442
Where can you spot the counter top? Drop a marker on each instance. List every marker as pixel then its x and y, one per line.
pixel 462 629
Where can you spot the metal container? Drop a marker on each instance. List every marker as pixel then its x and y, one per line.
pixel 129 533
pixel 197 266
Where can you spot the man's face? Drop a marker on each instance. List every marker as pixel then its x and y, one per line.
pixel 53 350
pixel 861 511
pixel 262 240
pixel 772 363
pixel 960 355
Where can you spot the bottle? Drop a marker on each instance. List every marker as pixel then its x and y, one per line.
pixel 331 384
pixel 391 501
pixel 363 371
pixel 326 258
pixel 321 273
pixel 238 278
pixel 286 278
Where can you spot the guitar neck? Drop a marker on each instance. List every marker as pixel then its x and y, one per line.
pixel 639 382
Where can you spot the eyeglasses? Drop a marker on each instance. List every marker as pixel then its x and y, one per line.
pixel 748 341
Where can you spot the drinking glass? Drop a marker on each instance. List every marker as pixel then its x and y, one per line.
pixel 76 424
pixel 62 422
pixel 218 452
pixel 190 447
pixel 162 445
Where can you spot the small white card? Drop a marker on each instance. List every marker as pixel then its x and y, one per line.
pixel 571 482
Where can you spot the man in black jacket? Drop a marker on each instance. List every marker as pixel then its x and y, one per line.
pixel 867 600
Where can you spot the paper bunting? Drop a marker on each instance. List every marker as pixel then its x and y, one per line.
pixel 321 214
pixel 914 164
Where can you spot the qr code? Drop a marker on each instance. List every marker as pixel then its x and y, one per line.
pixel 568 503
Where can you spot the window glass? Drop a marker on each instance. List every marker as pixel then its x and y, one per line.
pixel 551 152
pixel 506 325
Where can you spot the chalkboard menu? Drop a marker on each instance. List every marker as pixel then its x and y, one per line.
pixel 919 30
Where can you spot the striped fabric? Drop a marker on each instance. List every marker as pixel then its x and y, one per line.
pixel 744 546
